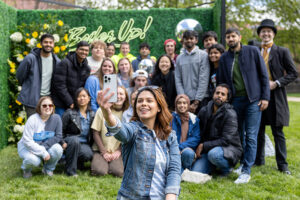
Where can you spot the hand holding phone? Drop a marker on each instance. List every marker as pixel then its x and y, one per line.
pixel 110 81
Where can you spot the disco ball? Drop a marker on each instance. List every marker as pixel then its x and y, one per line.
pixel 147 65
pixel 187 24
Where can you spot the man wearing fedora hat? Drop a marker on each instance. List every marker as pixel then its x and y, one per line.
pixel 282 71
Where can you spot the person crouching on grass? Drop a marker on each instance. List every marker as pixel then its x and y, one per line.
pixel 150 150
pixel 41 139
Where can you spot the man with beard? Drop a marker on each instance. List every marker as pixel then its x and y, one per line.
pixel 192 72
pixel 244 70
pixel 71 74
pixel 282 71
pixel 220 147
pixel 35 74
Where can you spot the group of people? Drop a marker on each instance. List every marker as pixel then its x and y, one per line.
pixel 203 110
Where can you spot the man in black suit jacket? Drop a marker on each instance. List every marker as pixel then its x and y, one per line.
pixel 282 71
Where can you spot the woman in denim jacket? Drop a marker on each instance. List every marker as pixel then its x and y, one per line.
pixel 150 150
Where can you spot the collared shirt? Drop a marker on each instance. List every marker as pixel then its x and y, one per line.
pixel 85 126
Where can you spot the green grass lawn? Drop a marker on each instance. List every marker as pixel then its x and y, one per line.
pixel 266 182
pixel 293 94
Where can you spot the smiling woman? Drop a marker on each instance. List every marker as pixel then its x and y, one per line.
pixel 41 138
pixel 150 147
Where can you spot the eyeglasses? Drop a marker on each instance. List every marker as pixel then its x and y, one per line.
pixel 151 87
pixel 47 105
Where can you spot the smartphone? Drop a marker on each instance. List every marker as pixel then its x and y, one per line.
pixel 110 81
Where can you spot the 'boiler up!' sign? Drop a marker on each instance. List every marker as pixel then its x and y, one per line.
pixel 126 33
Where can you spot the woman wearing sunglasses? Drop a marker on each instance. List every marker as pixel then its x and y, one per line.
pixel 77 132
pixel 40 140
pixel 150 150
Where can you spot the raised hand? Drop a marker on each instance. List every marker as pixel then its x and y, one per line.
pixel 102 100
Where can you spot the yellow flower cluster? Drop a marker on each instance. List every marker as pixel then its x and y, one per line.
pixel 12 66
pixel 46 26
pixel 66 38
pixel 27 40
pixel 25 53
pixel 35 34
pixel 39 45
pixel 18 102
pixel 56 49
pixel 19 120
pixel 63 48
pixel 60 23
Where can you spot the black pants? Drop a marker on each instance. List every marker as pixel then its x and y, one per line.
pixel 280 147
pixel 76 153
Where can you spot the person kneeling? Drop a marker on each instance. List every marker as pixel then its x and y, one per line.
pixel 220 146
pixel 187 129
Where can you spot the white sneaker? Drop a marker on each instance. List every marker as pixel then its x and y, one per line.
pixel 243 178
pixel 238 171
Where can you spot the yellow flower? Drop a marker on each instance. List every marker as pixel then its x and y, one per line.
pixel 66 38
pixel 10 106
pixel 66 53
pixel 25 53
pixel 56 49
pixel 12 70
pixel 63 48
pixel 60 23
pixel 27 34
pixel 39 45
pixel 35 34
pixel 27 41
pixel 18 102
pixel 46 26
pixel 19 120
pixel 11 64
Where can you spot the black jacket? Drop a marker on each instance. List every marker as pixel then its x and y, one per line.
pixel 167 83
pixel 71 124
pixel 220 129
pixel 282 69
pixel 68 77
pixel 29 75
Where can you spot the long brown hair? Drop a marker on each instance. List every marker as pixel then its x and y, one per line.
pixel 126 102
pixel 130 65
pixel 100 74
pixel 163 118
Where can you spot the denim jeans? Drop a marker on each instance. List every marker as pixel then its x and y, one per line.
pixel 249 116
pixel 211 160
pixel 187 158
pixel 30 160
pixel 60 111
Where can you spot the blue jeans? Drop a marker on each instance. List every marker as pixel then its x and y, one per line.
pixel 249 116
pixel 31 160
pixel 60 111
pixel 187 158
pixel 213 159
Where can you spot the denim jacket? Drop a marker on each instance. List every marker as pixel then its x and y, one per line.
pixel 138 153
pixel 193 135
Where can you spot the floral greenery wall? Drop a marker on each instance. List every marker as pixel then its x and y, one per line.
pixel 23 28
pixel 8 17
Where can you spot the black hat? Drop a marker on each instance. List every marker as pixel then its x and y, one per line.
pixel 267 23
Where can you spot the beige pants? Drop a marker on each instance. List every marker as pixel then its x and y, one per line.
pixel 100 166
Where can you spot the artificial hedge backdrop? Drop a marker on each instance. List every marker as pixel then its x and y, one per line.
pixel 8 19
pixel 163 27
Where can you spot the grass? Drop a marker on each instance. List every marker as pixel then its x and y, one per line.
pixel 266 182
pixel 293 94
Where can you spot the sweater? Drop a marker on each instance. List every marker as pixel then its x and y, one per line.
pixel 192 74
